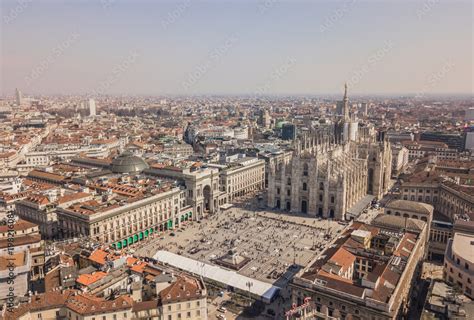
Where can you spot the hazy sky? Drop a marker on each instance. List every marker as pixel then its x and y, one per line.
pixel 234 47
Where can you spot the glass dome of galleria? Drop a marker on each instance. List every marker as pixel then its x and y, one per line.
pixel 128 163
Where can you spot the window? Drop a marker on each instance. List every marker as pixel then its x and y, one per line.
pixel 198 303
pixel 304 186
pixel 305 170
pixel 188 315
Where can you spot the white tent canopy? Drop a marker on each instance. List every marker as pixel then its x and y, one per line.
pixel 228 277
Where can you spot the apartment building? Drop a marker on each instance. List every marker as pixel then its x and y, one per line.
pixel 366 273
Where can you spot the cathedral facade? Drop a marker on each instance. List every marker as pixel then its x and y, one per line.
pixel 328 171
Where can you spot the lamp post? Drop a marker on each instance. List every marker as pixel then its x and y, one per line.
pixel 249 284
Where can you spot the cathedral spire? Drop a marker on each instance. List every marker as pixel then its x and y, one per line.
pixel 345 104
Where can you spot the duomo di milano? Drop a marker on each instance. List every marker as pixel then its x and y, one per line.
pixel 330 168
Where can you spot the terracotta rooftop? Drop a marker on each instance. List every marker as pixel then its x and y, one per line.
pixel 18 226
pixel 88 279
pixel 87 305
pixel 184 288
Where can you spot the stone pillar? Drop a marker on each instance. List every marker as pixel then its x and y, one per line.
pixel 313 187
pixel 296 173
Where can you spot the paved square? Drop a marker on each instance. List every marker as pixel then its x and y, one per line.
pixel 273 241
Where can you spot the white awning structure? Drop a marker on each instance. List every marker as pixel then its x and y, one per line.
pixel 264 290
pixel 359 206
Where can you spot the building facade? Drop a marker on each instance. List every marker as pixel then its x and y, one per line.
pixel 367 273
pixel 459 262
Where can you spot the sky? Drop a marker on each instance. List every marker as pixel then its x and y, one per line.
pixel 236 47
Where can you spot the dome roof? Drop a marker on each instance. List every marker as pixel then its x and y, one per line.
pixel 128 163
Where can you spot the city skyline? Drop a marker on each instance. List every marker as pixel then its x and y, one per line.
pixel 259 48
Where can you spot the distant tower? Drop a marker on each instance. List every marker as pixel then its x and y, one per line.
pixel 19 97
pixel 365 109
pixel 92 109
pixel 265 119
pixel 288 131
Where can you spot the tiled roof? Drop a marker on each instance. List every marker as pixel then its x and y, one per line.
pixel 85 304
pixel 88 279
